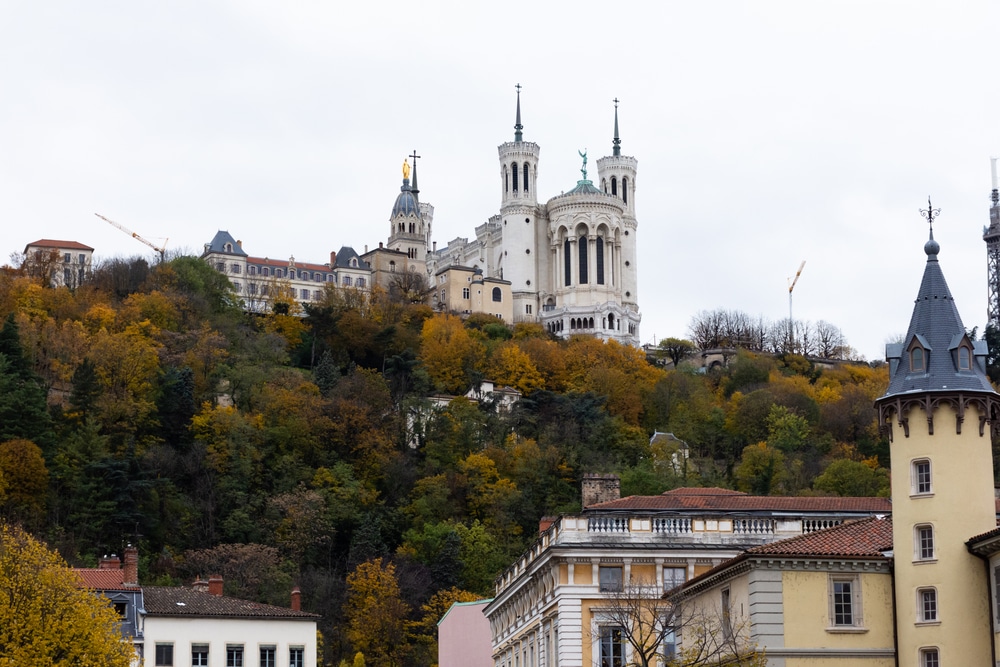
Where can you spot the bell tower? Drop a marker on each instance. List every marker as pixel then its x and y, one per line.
pixel 938 412
pixel 519 220
pixel 408 231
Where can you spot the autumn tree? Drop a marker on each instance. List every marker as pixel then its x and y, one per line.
pixel 761 470
pixel 376 613
pixel 424 631
pixel 23 469
pixel 45 618
pixel 449 353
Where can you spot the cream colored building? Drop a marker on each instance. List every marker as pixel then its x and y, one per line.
pixel 464 291
pixel 63 263
pixel 550 607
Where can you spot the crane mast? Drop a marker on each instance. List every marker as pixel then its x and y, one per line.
pixel 791 322
pixel 128 231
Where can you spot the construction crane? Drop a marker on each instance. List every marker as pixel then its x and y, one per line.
pixel 791 322
pixel 135 236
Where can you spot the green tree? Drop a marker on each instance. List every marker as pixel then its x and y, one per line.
pixel 853 478
pixel 676 349
pixel 761 470
pixel 45 619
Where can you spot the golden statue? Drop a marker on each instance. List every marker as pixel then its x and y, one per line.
pixel 406 170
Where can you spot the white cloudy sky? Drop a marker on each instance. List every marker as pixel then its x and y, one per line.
pixel 767 133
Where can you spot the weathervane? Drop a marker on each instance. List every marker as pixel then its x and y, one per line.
pixel 929 214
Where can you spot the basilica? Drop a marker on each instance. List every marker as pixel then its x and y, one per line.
pixel 568 263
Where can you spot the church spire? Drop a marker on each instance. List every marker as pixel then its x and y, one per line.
pixel 517 122
pixel 414 188
pixel 617 150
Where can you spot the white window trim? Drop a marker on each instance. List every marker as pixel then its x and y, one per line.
pixel 920 606
pixel 917 556
pixel 601 619
pixel 923 650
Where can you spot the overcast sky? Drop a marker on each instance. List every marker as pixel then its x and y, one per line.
pixel 767 133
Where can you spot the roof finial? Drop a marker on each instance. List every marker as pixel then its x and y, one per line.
pixel 414 186
pixel 617 150
pixel 931 247
pixel 517 123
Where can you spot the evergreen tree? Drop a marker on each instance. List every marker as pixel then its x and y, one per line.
pixel 86 388
pixel 176 405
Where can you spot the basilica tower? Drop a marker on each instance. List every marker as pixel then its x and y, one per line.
pixel 938 411
pixel 521 232
pixel 408 230
pixel 617 177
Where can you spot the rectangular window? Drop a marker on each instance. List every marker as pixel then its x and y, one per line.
pixel 317 295
pixel 527 309
pixel 236 268
pixel 925 542
pixel 296 656
pixel 466 293
pixel 164 655
pixel 199 655
pixel 921 477
pixel 67 258
pixel 669 643
pixel 929 657
pixel 612 647
pixel 673 577
pixel 610 579
pixel 927 605
pixel 845 602
pixel 305 295
pixel 727 614
pixel 83 259
pixel 234 656
pixel 267 656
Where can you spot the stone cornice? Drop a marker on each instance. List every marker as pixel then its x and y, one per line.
pixel 899 406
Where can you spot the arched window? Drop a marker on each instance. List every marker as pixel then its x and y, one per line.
pixel 525 175
pixel 917 362
pixel 506 181
pixel 497 295
pixel 354 261
pixel 625 190
pixel 604 185
pixel 599 251
pixel 583 259
pixel 614 186
pixel 590 323
pixel 611 322
pixel 567 251
pixel 513 171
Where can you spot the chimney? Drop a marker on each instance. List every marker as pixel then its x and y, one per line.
pixel 296 599
pixel 333 259
pixel 366 248
pixel 200 585
pixel 215 585
pixel 434 246
pixel 111 562
pixel 131 575
pixel 598 488
pixel 239 243
pixel 379 244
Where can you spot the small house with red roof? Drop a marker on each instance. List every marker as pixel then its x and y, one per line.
pixel 61 263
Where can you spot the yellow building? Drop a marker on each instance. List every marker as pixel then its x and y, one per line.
pixel 912 590
pixel 464 290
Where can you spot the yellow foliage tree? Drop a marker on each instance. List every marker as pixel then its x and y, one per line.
pixel 510 366
pixel 375 613
pixel 27 479
pixel 448 352
pixel 45 619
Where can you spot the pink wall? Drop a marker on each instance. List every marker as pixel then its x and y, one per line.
pixel 464 636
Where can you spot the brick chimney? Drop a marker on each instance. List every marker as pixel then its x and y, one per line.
pixel 215 585
pixel 333 259
pixel 111 562
pixel 600 488
pixel 239 242
pixel 200 585
pixel 130 577
pixel 296 599
pixel 545 523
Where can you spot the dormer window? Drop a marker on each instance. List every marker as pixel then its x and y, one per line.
pixel 229 247
pixel 964 358
pixel 918 362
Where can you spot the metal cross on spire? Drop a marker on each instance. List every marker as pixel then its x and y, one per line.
pixel 517 120
pixel 929 214
pixel 414 156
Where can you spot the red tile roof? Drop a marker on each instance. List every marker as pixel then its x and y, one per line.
pixel 724 500
pixel 102 579
pixel 51 243
pixel 166 601
pixel 866 538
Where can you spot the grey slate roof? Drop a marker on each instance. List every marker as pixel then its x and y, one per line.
pixel 406 201
pixel 936 326
pixel 219 242
pixel 344 256
pixel 168 601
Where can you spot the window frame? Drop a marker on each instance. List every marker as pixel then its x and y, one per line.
pixel 918 485
pixel 296 656
pixel 673 579
pixel 924 543
pixel 615 646
pixel 964 358
pixel 199 654
pixel 235 655
pixel 918 353
pixel 836 597
pixel 930 656
pixel 610 586
pixel 928 609
pixel 267 655
pixel 163 654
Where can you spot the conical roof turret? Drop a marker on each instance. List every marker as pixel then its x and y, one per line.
pixel 936 354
